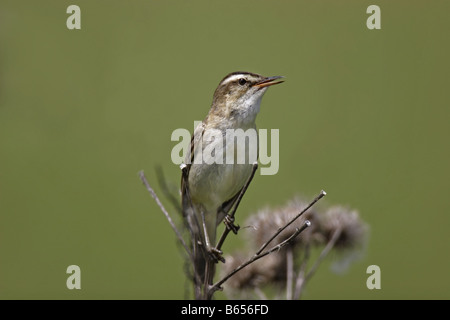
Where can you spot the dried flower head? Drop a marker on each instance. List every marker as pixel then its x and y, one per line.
pixel 267 221
pixel 345 225
pixel 269 269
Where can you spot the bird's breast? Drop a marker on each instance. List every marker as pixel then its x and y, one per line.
pixel 217 178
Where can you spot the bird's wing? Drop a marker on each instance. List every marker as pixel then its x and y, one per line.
pixel 196 137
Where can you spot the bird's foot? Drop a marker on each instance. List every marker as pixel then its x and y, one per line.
pixel 215 254
pixel 229 223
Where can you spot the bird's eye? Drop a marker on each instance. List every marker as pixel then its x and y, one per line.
pixel 242 81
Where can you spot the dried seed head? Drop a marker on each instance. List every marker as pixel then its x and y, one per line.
pixel 351 230
pixel 259 273
pixel 267 221
pixel 245 278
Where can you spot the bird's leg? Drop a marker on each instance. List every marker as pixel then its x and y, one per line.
pixel 213 253
pixel 229 218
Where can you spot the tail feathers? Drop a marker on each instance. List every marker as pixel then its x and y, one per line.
pixel 199 266
pixel 203 265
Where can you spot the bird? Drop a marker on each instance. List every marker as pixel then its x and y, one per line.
pixel 211 181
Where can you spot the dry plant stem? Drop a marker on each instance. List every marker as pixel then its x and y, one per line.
pixel 165 188
pixel 209 276
pixel 160 205
pixel 322 256
pixel 172 224
pixel 260 294
pixel 289 272
pixel 257 256
pixel 238 201
pixel 301 272
pixel 320 196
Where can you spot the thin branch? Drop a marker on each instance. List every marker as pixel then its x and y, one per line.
pixel 165 188
pixel 289 272
pixel 324 253
pixel 319 260
pixel 160 205
pixel 257 256
pixel 172 224
pixel 260 294
pixel 320 196
pixel 301 272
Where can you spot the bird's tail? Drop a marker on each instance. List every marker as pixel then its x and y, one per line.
pixel 202 231
pixel 198 267
pixel 203 267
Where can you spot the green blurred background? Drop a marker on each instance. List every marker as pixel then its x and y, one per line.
pixel 363 114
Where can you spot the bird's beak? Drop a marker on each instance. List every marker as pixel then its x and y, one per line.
pixel 270 81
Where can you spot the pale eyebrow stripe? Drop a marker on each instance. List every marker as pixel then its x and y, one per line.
pixel 233 78
pixel 252 77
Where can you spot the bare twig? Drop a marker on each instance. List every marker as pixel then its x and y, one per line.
pixel 289 272
pixel 160 205
pixel 208 288
pixel 260 294
pixel 320 196
pixel 172 224
pixel 166 190
pixel 322 256
pixel 257 256
pixel 301 273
